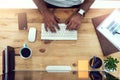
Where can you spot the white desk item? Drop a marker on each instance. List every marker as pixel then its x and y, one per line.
pixel 61 34
pixel 110 28
pixel 32 34
pixel 58 69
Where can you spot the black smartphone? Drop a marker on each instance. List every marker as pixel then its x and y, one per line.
pixel 8 59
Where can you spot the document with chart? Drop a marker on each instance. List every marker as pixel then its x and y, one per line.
pixel 110 28
pixel 61 34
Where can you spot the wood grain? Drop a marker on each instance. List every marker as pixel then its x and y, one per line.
pixel 56 52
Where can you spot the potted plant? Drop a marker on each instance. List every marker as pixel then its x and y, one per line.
pixel 111 63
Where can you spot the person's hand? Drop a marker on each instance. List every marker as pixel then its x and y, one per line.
pixel 51 21
pixel 74 21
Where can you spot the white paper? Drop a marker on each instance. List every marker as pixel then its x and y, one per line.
pixel 61 34
pixel 110 28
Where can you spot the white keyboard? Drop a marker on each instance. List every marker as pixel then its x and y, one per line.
pixel 61 34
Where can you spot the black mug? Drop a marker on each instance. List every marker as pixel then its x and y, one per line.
pixel 25 52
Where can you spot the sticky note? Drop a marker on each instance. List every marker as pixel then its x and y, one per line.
pixel 82 68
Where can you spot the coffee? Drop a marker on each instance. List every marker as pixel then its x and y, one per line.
pixel 25 52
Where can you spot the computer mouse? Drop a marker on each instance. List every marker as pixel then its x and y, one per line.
pixel 32 34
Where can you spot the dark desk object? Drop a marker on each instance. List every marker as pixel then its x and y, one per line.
pixel 110 77
pixel 22 21
pixel 106 46
pixel 8 61
pixel 95 75
pixel 8 76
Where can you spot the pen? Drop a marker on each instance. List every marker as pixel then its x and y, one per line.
pixel 117 32
pixel 93 62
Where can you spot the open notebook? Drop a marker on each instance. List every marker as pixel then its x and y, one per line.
pixel 61 34
pixel 110 28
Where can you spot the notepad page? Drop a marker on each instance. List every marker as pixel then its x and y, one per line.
pixel 110 28
pixel 61 34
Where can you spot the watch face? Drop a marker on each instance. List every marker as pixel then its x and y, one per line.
pixel 81 11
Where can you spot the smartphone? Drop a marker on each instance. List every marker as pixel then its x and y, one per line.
pixel 8 59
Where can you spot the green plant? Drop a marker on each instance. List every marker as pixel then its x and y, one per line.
pixel 111 63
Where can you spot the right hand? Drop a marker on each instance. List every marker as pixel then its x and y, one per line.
pixel 51 21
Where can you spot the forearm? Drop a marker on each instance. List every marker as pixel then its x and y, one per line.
pixel 41 6
pixel 86 5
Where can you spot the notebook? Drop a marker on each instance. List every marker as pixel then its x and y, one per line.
pixel 110 28
pixel 106 46
pixel 61 34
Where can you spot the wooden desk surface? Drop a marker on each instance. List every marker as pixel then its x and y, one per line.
pixel 56 52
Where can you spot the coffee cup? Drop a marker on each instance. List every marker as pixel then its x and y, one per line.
pixel 25 52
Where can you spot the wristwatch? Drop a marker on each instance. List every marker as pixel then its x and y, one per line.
pixel 81 12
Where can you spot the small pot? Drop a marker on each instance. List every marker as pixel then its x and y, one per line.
pixel 95 62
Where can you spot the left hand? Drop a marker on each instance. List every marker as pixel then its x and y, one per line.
pixel 74 21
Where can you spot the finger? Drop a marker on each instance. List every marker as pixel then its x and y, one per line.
pixel 72 26
pixel 77 27
pixel 67 21
pixel 52 29
pixel 57 19
pixel 50 26
pixel 56 25
pixel 46 27
pixel 68 25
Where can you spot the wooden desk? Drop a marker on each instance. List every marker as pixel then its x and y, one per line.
pixel 57 52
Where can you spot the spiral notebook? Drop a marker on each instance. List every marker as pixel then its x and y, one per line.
pixel 61 34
